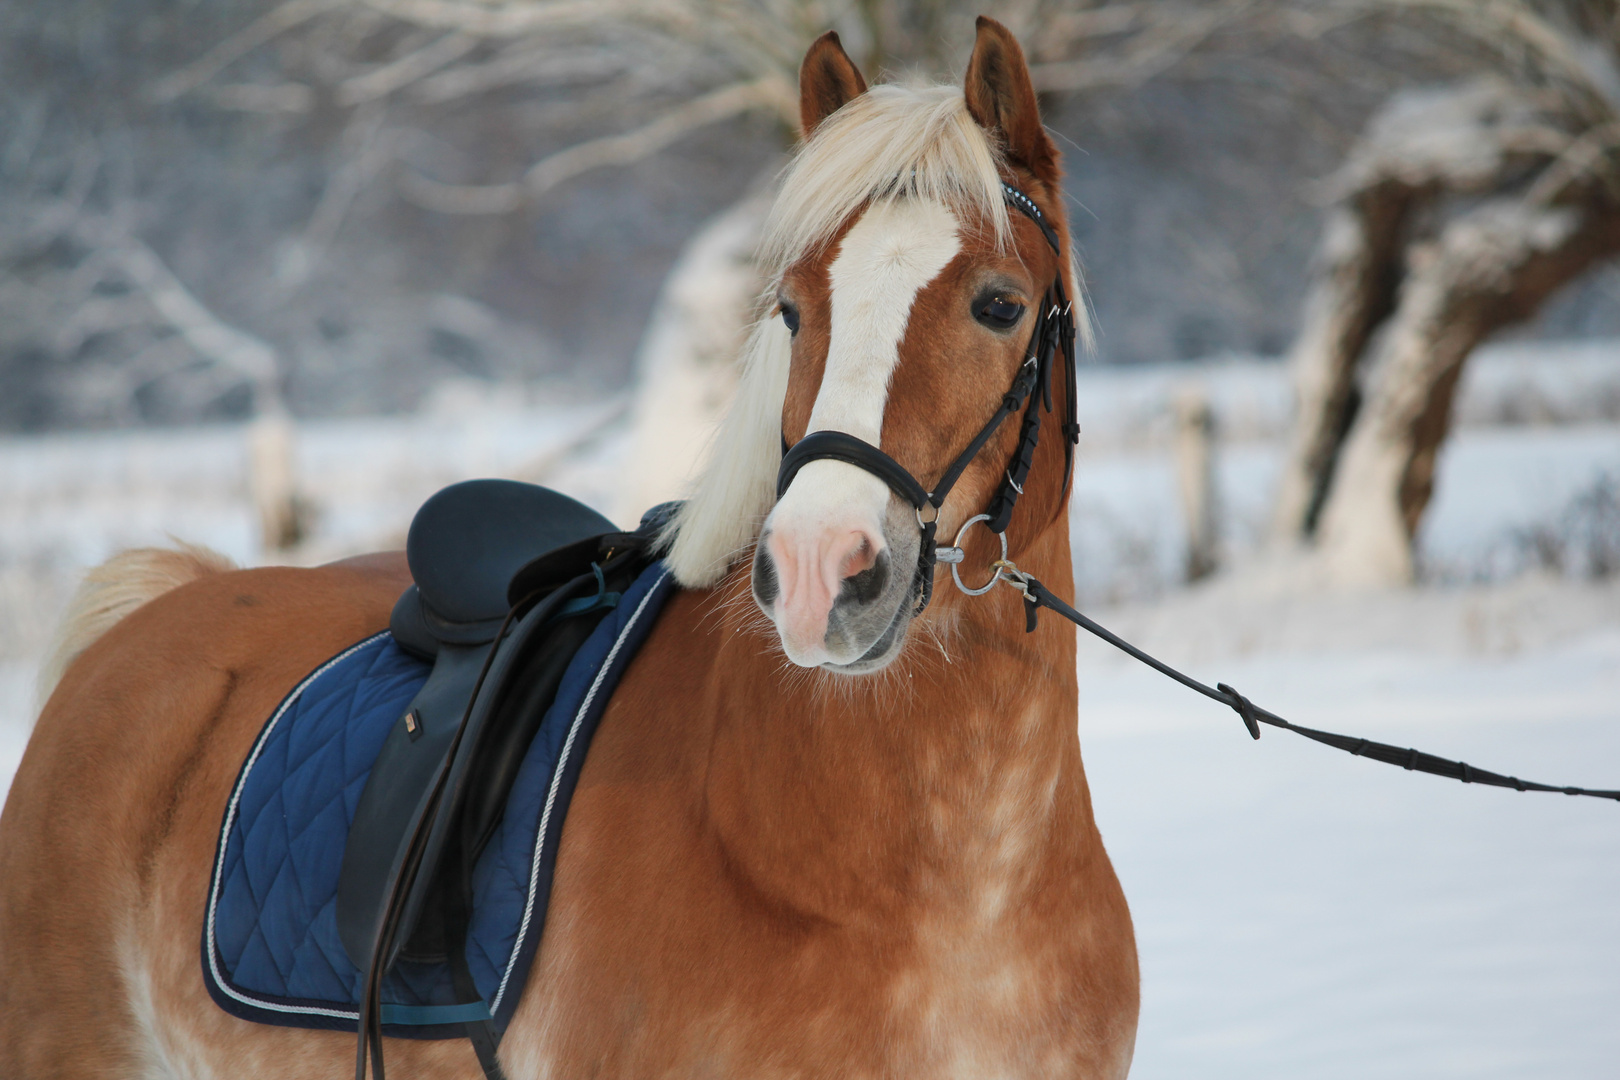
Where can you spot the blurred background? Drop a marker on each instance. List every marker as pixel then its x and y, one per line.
pixel 273 271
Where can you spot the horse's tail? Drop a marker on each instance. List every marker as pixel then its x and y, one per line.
pixel 116 588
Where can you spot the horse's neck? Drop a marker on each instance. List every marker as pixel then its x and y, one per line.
pixel 946 781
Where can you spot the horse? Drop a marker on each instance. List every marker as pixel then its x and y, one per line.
pixel 822 830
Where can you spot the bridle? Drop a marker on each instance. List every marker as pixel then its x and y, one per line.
pixel 1051 342
pixel 1053 338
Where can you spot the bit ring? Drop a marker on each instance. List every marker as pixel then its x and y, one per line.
pixel 956 567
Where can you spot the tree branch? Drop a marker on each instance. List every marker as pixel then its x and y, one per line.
pixel 508 19
pixel 368 153
pixel 205 332
pixel 1154 51
pixel 407 69
pixel 238 45
pixel 1496 23
pixel 540 66
pixel 1582 157
pixel 625 149
pixel 289 97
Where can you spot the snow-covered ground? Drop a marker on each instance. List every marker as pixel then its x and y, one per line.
pixel 1304 913
pixel 1299 912
pixel 1535 451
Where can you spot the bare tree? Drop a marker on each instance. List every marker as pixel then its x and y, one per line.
pixel 656 70
pixel 1461 210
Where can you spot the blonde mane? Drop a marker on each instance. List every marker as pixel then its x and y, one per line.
pixel 892 142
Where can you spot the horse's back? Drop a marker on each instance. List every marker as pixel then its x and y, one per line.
pixel 106 836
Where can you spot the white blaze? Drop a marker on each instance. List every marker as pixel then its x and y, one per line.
pixel 886 259
pixel 883 262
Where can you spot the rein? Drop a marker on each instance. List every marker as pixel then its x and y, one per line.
pixel 1054 336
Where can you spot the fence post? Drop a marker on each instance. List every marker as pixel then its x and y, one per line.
pixel 1195 475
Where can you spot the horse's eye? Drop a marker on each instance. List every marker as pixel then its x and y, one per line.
pixel 790 316
pixel 1000 313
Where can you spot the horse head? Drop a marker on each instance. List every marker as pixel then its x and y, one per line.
pixel 908 300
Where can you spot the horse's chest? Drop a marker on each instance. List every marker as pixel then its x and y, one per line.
pixel 975 1001
pixel 950 1004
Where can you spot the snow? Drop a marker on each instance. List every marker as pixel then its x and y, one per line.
pixel 1303 913
pixel 1537 429
pixel 1299 912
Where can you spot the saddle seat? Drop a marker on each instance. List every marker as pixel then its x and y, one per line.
pixel 464 547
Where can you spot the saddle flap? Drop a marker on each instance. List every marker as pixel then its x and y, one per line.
pixel 468 540
pixel 404 770
pixel 446 788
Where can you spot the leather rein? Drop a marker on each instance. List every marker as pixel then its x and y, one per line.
pixel 1053 340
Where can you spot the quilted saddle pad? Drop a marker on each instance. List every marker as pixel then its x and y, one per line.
pixel 271 951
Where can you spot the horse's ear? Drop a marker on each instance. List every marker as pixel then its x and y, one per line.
pixel 1001 98
pixel 828 79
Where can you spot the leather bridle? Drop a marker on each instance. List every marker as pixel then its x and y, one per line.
pixel 1053 338
pixel 1051 342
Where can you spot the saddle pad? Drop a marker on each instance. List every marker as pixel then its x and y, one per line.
pixel 271 951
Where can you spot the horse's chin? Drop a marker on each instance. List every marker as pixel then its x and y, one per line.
pixel 882 651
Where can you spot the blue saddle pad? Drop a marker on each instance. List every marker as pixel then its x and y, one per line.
pixel 271 951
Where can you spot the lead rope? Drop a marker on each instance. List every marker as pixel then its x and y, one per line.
pixel 1037 596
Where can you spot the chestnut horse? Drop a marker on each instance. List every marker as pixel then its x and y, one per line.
pixel 816 835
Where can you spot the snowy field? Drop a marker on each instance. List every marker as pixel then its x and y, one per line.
pixel 1300 913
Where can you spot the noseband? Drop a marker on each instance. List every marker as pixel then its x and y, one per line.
pixel 1053 338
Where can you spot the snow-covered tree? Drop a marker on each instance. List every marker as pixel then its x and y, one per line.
pixel 623 81
pixel 1462 209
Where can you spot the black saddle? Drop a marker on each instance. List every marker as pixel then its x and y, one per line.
pixel 510 579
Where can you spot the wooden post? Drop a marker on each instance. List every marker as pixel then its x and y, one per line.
pixel 1195 474
pixel 273 481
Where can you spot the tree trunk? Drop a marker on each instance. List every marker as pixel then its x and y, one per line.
pixel 687 363
pixel 1422 147
pixel 1357 278
pixel 1487 269
pixel 273 482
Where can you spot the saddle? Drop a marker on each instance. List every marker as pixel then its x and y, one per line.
pixel 510 579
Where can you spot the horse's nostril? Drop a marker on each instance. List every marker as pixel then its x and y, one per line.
pixel 866 586
pixel 766 587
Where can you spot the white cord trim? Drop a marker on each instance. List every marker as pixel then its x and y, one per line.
pixel 224 842
pixel 556 781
